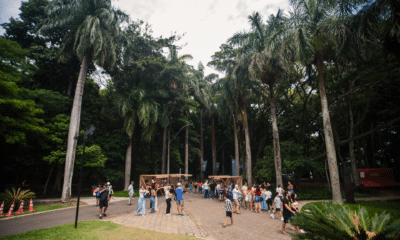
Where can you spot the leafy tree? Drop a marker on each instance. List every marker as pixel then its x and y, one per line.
pixel 93 30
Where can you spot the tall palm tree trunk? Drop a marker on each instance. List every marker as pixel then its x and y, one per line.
pixel 187 148
pixel 164 146
pixel 201 145
pixel 74 130
pixel 236 146
pixel 329 140
pixel 128 165
pixel 214 149
pixel 351 149
pixel 275 132
pixel 248 149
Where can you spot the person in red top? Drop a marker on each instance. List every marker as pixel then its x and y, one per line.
pixel 257 199
pixel 200 187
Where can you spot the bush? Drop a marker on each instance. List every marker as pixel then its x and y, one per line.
pixel 335 221
pixel 314 194
pixel 17 196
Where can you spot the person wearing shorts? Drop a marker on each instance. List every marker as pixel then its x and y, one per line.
pixel 249 198
pixel 277 204
pixel 288 213
pixel 235 197
pixel 103 202
pixel 179 199
pixel 228 207
pixel 257 200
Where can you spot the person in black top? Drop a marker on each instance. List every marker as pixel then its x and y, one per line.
pixel 288 213
pixel 212 190
pixel 103 203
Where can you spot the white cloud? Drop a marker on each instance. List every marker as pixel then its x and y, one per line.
pixel 207 23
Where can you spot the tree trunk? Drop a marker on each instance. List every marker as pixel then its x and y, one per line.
pixel 201 146
pixel 128 165
pixel 187 148
pixel 74 130
pixel 47 181
pixel 248 150
pixel 213 147
pixel 351 149
pixel 242 151
pixel 237 169
pixel 275 133
pixel 373 147
pixel 164 146
pixel 59 175
pixel 329 141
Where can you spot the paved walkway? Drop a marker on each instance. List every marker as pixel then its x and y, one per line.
pixel 203 219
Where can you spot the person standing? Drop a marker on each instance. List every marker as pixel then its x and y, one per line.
pixel 279 190
pixel 142 201
pixel 168 196
pixel 212 190
pixel 236 199
pixel 103 202
pixel 200 187
pixel 288 213
pixel 110 191
pixel 153 198
pixel 277 204
pixel 218 188
pixel 228 207
pixel 268 197
pixel 205 188
pixel 222 192
pixel 97 191
pixel 179 199
pixel 191 187
pixel 131 192
pixel 290 188
pixel 195 187
pixel 257 200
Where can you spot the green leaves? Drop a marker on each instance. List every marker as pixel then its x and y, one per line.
pixel 338 221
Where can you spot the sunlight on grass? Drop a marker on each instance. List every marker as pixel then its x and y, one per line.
pixel 95 229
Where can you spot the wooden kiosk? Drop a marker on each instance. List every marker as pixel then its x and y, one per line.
pixel 163 179
pixel 227 179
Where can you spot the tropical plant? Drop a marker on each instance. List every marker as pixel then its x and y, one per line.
pixel 339 222
pixel 91 33
pixel 16 196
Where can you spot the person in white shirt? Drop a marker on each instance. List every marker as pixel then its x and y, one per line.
pixel 268 198
pixel 142 201
pixel 168 199
pixel 277 204
pixel 131 192
pixel 279 190
pixel 205 188
pixel 235 196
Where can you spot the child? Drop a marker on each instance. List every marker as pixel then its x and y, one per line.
pixel 277 204
pixel 228 206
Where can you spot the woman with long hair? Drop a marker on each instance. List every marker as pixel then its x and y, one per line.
pixel 249 198
pixel 257 200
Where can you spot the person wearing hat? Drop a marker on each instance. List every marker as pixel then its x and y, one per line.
pixel 179 199
pixel 110 191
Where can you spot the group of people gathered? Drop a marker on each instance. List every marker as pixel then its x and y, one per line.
pixel 254 198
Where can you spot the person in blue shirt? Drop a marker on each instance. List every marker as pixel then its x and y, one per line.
pixel 179 199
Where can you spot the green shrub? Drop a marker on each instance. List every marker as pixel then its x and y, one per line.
pixel 333 221
pixel 17 196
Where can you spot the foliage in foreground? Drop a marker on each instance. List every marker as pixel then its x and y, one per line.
pixel 17 196
pixel 340 222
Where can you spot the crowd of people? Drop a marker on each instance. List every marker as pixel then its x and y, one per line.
pixel 253 198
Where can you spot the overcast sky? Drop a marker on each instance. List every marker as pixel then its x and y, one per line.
pixel 206 23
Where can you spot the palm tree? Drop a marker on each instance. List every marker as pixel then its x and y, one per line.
pixel 91 29
pixel 239 82
pixel 313 34
pixel 264 67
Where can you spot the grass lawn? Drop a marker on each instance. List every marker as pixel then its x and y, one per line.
pixel 372 208
pixel 43 207
pixel 121 193
pixel 323 193
pixel 95 229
